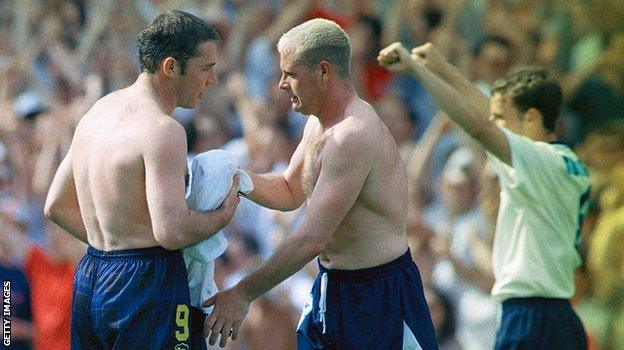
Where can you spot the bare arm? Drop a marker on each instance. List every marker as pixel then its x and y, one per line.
pixel 175 226
pixel 484 280
pixel 282 191
pixel 429 56
pixel 291 13
pixel 473 119
pixel 61 205
pixel 341 178
pixel 347 160
pixel 419 162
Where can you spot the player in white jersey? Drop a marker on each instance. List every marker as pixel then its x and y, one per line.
pixel 544 193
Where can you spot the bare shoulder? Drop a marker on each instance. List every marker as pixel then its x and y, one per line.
pixel 311 127
pixel 163 133
pixel 356 136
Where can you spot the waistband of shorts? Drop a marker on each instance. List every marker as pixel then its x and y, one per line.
pixel 370 273
pixel 536 301
pixel 125 254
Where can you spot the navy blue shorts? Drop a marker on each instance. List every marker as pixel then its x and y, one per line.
pixel 134 299
pixel 539 323
pixel 381 307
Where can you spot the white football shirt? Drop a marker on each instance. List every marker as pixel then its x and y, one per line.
pixel 544 198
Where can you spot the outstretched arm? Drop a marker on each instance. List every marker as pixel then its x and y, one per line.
pixel 470 117
pixel 283 191
pixel 431 58
pixel 347 161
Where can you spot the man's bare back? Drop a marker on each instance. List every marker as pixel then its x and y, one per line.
pixel 121 187
pixel 373 231
pixel 109 169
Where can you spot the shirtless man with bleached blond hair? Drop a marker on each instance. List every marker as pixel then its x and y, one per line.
pixel 368 293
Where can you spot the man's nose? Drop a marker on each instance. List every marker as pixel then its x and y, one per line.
pixel 212 80
pixel 283 84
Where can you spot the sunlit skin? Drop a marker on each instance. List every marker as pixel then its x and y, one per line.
pixel 198 75
pixel 131 134
pixel 528 124
pixel 504 114
pixel 300 84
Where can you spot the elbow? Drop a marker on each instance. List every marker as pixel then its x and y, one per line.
pixel 51 211
pixel 167 240
pixel 48 211
pixel 315 247
pixel 293 204
pixel 167 236
pixel 482 131
pixel 289 207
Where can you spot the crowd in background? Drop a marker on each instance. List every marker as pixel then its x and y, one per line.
pixel 58 57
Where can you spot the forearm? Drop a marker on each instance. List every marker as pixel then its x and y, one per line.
pixel 474 276
pixel 419 161
pixel 289 258
pixel 273 191
pixel 468 116
pixel 191 227
pixel 291 14
pixel 45 165
pixel 71 221
pixel 62 205
pixel 452 76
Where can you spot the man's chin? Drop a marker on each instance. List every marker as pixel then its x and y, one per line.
pixel 298 108
pixel 189 105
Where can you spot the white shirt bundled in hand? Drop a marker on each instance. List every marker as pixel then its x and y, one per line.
pixel 211 177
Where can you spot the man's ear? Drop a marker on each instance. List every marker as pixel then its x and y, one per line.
pixel 325 68
pixel 533 115
pixel 168 66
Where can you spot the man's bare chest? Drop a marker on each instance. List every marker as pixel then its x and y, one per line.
pixel 312 164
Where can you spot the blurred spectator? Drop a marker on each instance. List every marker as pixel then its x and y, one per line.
pixel 493 58
pixel 21 316
pixel 369 78
pixel 50 273
pixel 443 317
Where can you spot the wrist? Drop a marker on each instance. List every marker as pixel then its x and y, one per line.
pixel 243 289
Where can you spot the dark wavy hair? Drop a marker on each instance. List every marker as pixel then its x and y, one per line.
pixel 533 87
pixel 173 34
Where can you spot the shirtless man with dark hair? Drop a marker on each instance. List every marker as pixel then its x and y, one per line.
pixel 121 190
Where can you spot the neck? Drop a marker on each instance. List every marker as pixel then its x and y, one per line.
pixel 158 89
pixel 543 136
pixel 336 101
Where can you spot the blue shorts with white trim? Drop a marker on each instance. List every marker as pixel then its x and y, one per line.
pixel 382 307
pixel 539 323
pixel 134 299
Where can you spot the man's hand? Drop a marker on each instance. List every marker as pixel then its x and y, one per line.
pixel 395 58
pixel 231 201
pixel 230 309
pixel 429 56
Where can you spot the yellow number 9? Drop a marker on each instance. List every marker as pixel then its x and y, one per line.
pixel 182 321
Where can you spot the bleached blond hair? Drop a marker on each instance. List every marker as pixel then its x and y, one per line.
pixel 318 40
